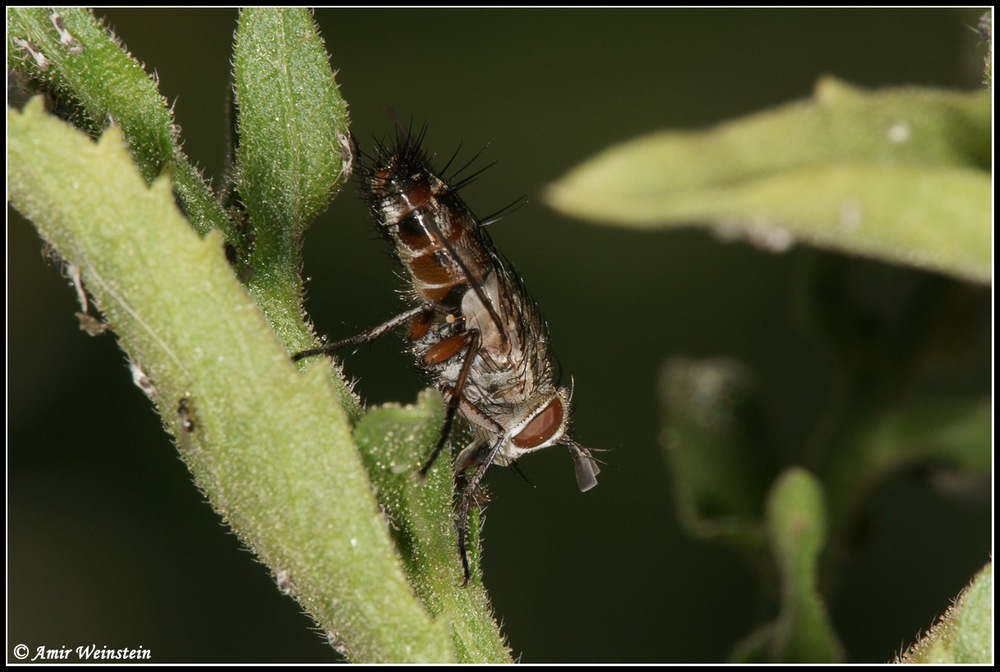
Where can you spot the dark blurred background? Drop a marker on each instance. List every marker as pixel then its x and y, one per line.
pixel 110 543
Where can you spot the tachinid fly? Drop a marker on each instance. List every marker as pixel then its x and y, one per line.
pixel 473 327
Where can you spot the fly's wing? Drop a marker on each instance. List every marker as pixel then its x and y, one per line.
pixel 487 316
pixel 473 255
pixel 514 336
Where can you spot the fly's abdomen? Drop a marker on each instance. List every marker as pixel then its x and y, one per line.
pixel 433 232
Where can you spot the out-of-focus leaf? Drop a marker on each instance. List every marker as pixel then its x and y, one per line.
pixel 956 434
pixel 716 441
pixel 796 529
pixel 899 175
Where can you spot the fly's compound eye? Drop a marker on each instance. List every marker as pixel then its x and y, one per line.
pixel 546 425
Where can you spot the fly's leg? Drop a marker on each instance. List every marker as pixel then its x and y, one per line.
pixel 472 339
pixel 366 337
pixel 465 502
pixel 468 341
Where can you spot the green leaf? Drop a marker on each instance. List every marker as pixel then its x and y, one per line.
pixel 902 175
pixel 797 531
pixel 292 121
pixel 270 447
pixel 717 443
pixel 394 442
pixel 964 634
pixel 954 434
pixel 293 152
pixel 293 157
pixel 90 68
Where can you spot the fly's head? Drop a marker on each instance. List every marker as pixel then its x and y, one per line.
pixel 545 424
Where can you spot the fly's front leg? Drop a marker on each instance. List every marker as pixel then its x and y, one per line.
pixel 477 454
pixel 368 336
pixel 465 502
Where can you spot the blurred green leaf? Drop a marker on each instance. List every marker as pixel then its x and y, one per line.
pixel 715 439
pixel 797 531
pixel 964 634
pixel 394 442
pixel 901 175
pixel 954 434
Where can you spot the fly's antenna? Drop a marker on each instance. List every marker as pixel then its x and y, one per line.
pixel 585 464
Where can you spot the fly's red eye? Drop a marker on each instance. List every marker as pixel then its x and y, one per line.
pixel 542 427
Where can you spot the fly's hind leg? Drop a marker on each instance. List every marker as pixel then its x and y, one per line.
pixel 366 337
